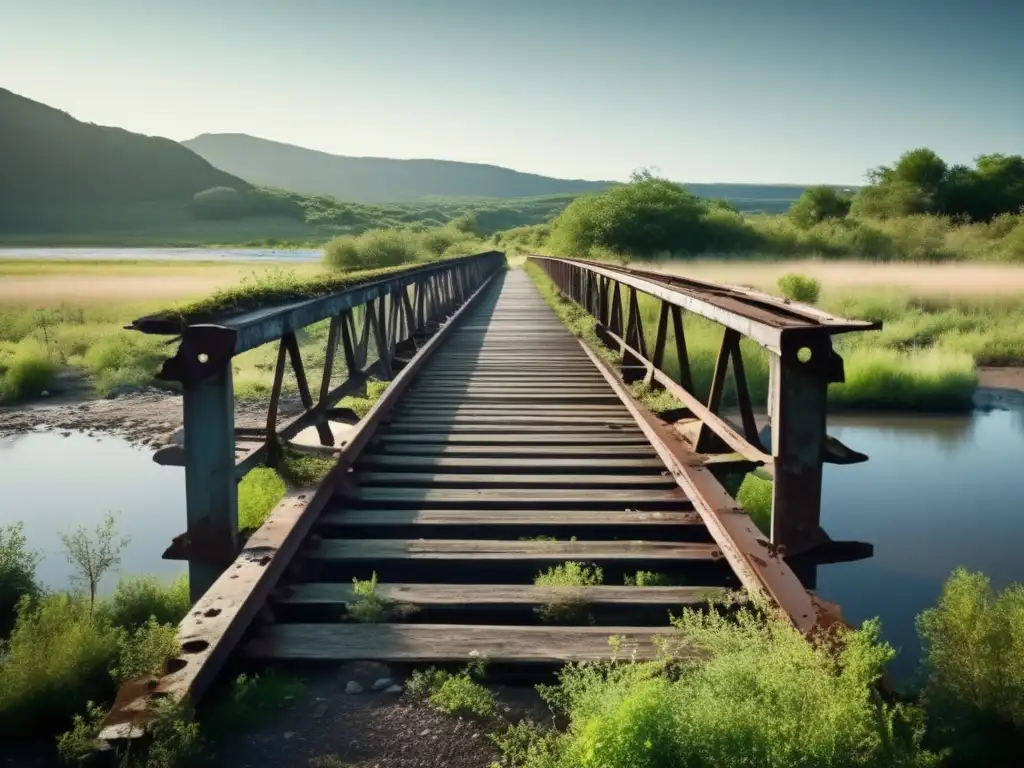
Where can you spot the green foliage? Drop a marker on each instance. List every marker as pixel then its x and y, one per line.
pixel 361 405
pixel 17 574
pixel 755 498
pixel 24 375
pixel 258 493
pixel 144 651
pixel 452 693
pixel 921 182
pixel 58 657
pixel 800 288
pixel 373 249
pixel 758 694
pixel 368 607
pixel 139 598
pixel 974 663
pixel 570 574
pixel 643 218
pixel 650 579
pixel 124 361
pixel 934 379
pixel 816 204
pixel 77 745
pixel 220 203
pixel 92 553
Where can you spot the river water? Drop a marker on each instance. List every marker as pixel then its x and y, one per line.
pixel 937 493
pixel 161 254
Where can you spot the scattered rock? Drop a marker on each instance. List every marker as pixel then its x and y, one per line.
pixel 425 732
pixel 353 687
pixel 289 734
pixel 394 689
pixel 319 712
pixel 363 672
pixel 45 393
pixel 382 683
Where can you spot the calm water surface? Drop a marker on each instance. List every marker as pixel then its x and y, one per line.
pixel 52 484
pixel 937 493
pixel 161 254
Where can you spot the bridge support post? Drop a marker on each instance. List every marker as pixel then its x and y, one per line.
pixel 798 395
pixel 211 495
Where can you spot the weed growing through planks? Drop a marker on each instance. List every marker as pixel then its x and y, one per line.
pixel 650 579
pixel 570 609
pixel 368 607
pixel 453 692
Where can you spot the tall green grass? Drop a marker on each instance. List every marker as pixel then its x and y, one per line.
pixel 756 693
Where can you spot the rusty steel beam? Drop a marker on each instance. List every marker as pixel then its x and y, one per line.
pixel 217 622
pixel 757 564
pixel 803 364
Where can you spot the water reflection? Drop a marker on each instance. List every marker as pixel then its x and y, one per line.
pixel 937 493
pixel 52 483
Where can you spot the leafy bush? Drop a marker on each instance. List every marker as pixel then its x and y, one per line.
pixel 139 598
pixel 452 692
pixel 17 574
pixel 58 657
pixel 124 360
pixel 974 663
pixel 799 288
pixel 759 695
pixel 372 249
pixel 144 651
pixel 644 218
pixel 26 374
pixel 649 579
pixel 817 204
pixel 755 498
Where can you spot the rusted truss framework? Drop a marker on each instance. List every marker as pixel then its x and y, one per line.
pixel 802 365
pixel 374 329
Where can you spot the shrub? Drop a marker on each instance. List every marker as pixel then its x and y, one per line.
pixel 923 380
pixel 17 574
pixel 372 249
pixel 144 651
pixel 452 692
pixel 368 607
pixel 26 374
pixel 124 361
pixel 817 204
pixel 755 498
pixel 58 658
pixel 799 288
pixel 644 218
pixel 139 598
pixel 759 694
pixel 649 579
pixel 974 663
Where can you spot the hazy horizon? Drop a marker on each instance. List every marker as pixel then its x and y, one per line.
pixel 795 93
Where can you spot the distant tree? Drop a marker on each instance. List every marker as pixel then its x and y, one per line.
pixel 93 553
pixel 466 223
pixel 921 168
pixel 724 204
pixel 817 204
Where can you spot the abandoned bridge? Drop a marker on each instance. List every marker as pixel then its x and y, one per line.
pixel 503 445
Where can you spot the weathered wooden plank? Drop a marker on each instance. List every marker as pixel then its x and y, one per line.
pixel 489 517
pixel 596 429
pixel 504 466
pixel 428 418
pixel 497 595
pixel 438 643
pixel 477 450
pixel 607 437
pixel 629 499
pixel 444 479
pixel 373 550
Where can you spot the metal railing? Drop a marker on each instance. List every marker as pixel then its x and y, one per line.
pixel 803 363
pixel 383 318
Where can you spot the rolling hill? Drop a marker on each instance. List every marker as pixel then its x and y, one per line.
pixel 371 179
pixel 50 158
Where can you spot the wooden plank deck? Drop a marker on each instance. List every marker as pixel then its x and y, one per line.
pixel 508 433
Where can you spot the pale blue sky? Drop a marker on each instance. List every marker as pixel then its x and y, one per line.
pixel 795 91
